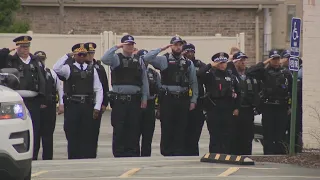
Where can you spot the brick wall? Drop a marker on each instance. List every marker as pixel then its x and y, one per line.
pixel 311 64
pixel 146 21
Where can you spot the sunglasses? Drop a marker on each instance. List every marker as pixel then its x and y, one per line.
pixel 82 54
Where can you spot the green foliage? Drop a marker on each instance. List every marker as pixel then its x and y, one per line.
pixel 7 22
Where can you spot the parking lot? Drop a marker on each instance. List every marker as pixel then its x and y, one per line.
pixel 155 167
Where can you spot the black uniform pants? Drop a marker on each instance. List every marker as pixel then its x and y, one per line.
pixel 220 123
pixel 33 105
pixel 147 124
pixel 274 123
pixel 79 129
pixel 243 132
pixel 193 131
pixel 174 120
pixel 96 132
pixel 47 125
pixel 125 120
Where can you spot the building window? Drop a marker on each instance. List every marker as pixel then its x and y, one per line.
pixel 291 12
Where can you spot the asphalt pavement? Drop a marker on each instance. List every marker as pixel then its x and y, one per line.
pixel 155 167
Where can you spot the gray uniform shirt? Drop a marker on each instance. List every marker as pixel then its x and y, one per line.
pixel 111 59
pixel 157 80
pixel 161 63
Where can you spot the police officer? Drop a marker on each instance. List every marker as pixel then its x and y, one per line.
pixel 130 91
pixel 148 117
pixel 48 110
pixel 83 97
pixel 249 99
pixel 195 116
pixel 178 75
pixel 276 90
pixel 284 61
pixel 32 81
pixel 222 103
pixel 104 81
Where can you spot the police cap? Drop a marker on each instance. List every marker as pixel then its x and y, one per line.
pixel 274 54
pixel 142 52
pixel 41 54
pixel 239 55
pixel 23 41
pixel 176 39
pixel 80 48
pixel 92 47
pixel 220 57
pixel 188 47
pixel 128 39
pixel 286 54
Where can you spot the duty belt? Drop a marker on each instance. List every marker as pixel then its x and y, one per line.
pixel 274 101
pixel 79 99
pixel 175 94
pixel 127 97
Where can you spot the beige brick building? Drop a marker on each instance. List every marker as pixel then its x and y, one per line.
pixel 166 17
pixel 311 64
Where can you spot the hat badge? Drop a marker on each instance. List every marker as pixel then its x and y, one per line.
pixel 90 45
pixel 275 52
pixel 177 38
pixel 25 38
pixel 144 52
pixel 130 38
pixel 221 55
pixel 81 45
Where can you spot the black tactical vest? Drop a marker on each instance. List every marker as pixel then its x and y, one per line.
pixel 51 84
pixel 79 82
pixel 249 88
pixel 129 71
pixel 221 86
pixel 276 84
pixel 153 88
pixel 176 74
pixel 29 75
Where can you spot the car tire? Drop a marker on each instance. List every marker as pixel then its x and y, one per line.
pixel 28 177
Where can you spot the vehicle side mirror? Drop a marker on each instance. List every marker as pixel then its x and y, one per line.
pixel 10 77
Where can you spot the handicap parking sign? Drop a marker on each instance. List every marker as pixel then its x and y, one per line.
pixel 295 36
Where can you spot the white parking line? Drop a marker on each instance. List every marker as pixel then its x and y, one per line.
pixel 129 173
pixel 229 171
pixel 38 173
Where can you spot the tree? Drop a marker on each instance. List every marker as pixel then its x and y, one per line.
pixel 8 24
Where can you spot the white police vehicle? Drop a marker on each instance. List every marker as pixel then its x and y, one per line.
pixel 16 132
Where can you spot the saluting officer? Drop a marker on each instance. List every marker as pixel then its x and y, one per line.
pixel 83 97
pixel 196 116
pixel 222 103
pixel 48 110
pixel 104 81
pixel 277 83
pixel 32 81
pixel 130 91
pixel 178 75
pixel 249 99
pixel 148 118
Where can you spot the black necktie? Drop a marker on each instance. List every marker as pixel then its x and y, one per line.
pixel 81 67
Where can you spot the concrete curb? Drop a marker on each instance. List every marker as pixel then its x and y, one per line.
pixel 227 159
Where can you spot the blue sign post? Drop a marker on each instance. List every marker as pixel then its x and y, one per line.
pixel 294 66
